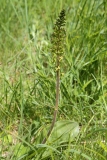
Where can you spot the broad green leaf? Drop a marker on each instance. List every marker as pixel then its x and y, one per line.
pixel 64 131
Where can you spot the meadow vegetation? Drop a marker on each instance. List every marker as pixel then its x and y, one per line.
pixel 28 80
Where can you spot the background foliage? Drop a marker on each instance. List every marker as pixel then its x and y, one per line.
pixel 27 77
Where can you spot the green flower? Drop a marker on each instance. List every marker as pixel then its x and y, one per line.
pixel 58 35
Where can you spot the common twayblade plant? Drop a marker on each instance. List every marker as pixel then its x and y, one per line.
pixel 58 45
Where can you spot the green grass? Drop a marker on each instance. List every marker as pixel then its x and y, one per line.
pixel 28 79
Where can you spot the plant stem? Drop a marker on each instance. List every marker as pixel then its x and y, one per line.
pixel 57 98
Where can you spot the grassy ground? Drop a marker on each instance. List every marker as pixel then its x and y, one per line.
pixel 27 79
